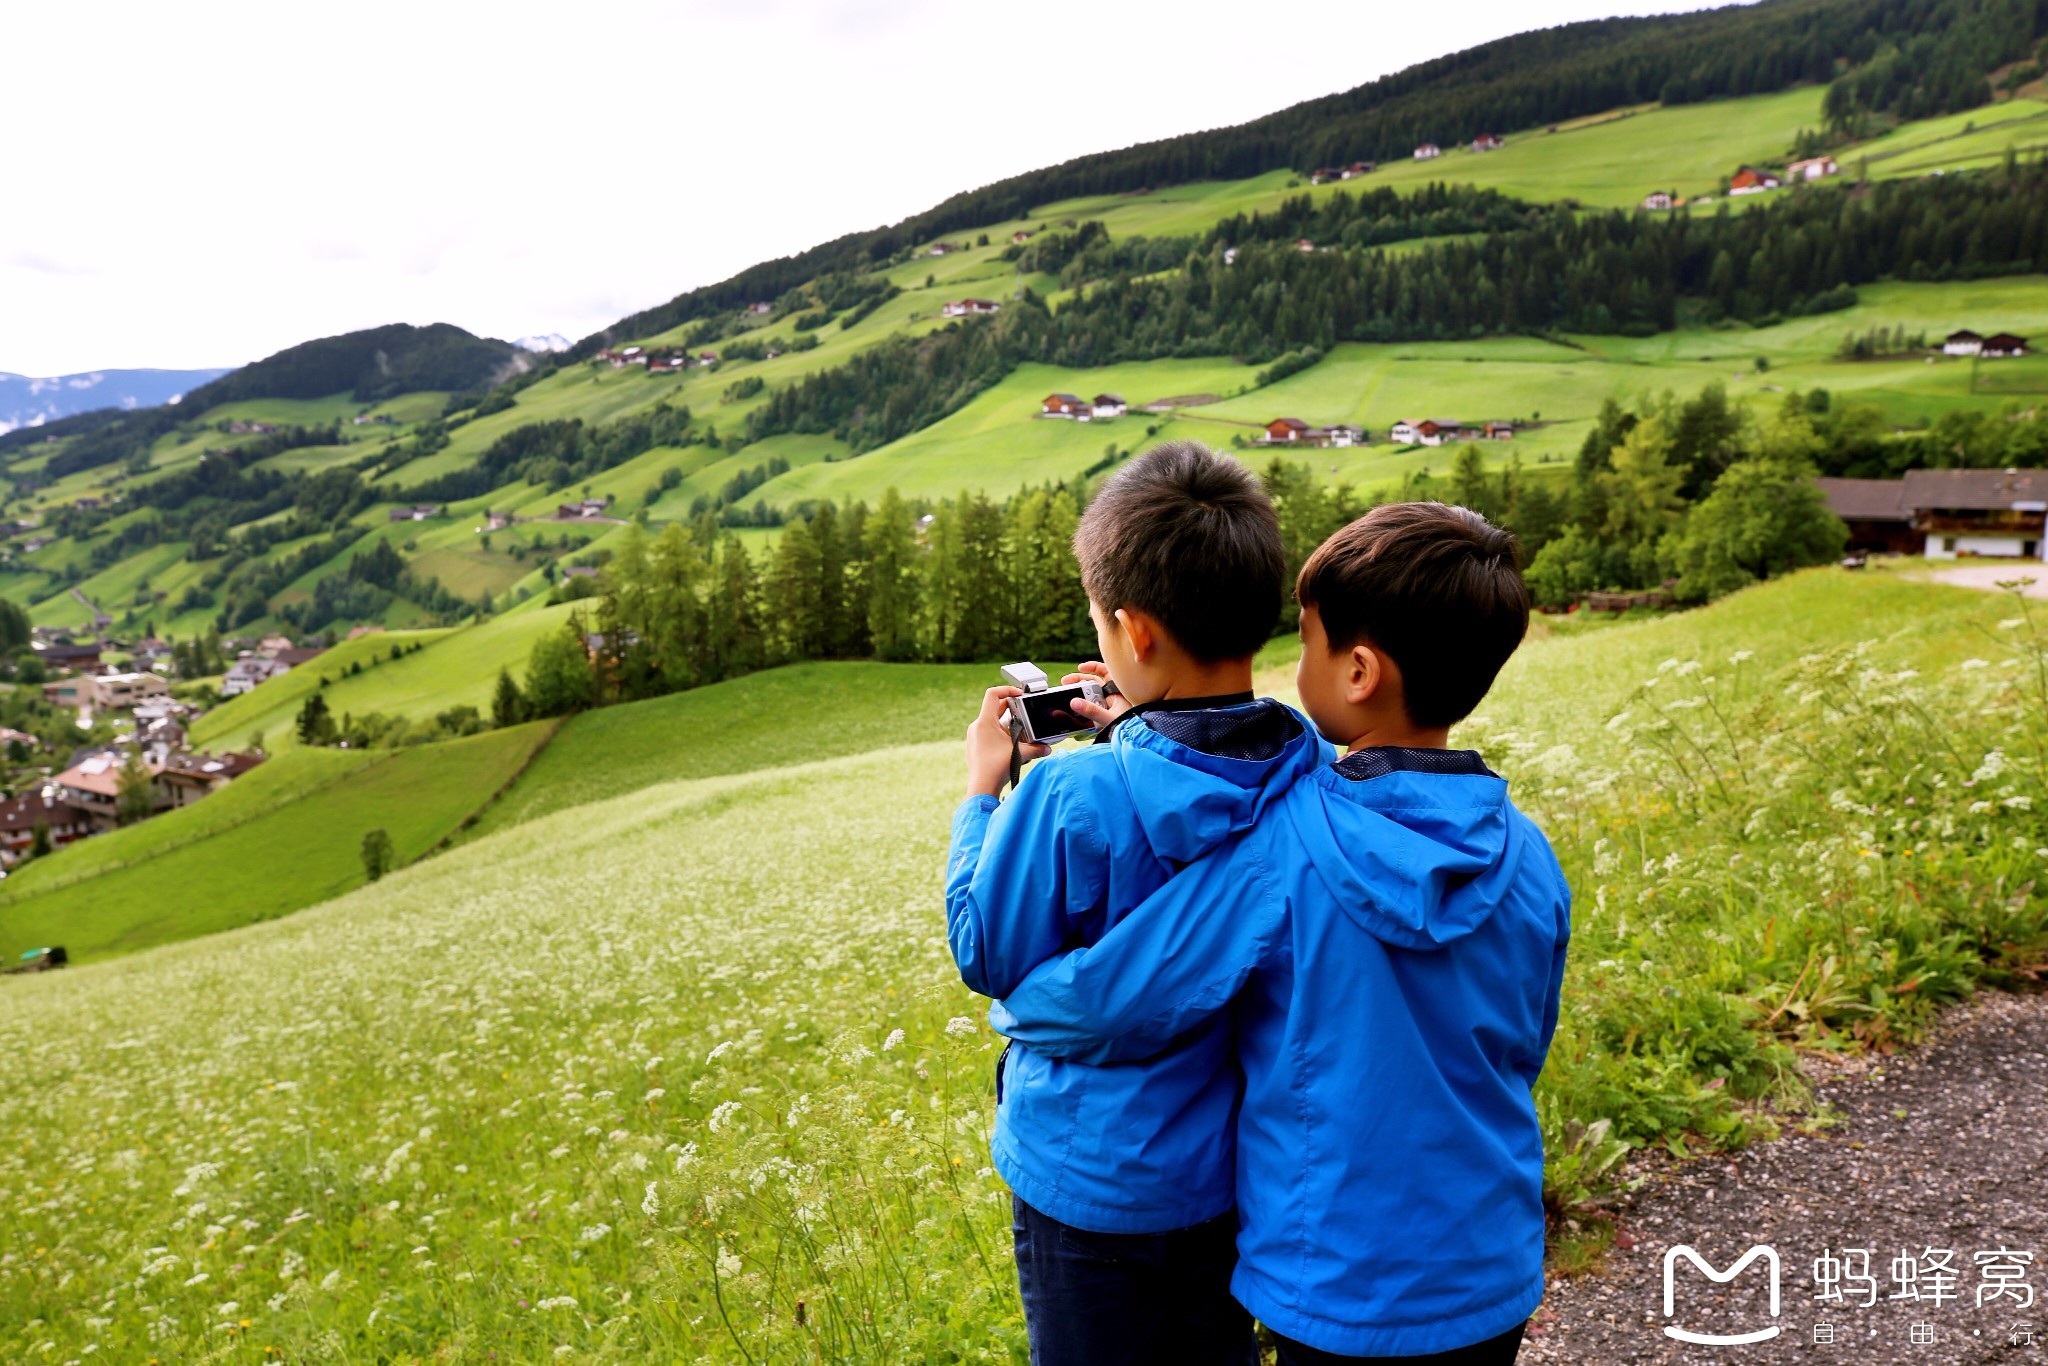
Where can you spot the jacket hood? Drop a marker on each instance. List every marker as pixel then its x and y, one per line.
pixel 1415 845
pixel 1187 801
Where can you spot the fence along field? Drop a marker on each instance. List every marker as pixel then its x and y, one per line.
pixel 686 1074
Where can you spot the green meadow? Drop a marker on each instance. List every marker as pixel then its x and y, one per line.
pixel 791 717
pixel 269 708
pixel 301 847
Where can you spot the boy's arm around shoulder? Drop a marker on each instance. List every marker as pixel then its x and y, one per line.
pixel 1019 876
pixel 1554 992
pixel 1171 963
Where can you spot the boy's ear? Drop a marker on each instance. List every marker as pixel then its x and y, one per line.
pixel 1365 675
pixel 1140 630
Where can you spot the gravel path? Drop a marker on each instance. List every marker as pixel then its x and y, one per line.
pixel 1988 576
pixel 1945 1147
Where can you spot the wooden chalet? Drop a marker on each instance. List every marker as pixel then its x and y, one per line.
pixel 1945 514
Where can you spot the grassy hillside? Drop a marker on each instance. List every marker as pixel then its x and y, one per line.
pixel 790 717
pixel 286 777
pixel 178 880
pixel 475 1095
pixel 269 708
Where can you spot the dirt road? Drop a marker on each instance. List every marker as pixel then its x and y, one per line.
pixel 1942 1149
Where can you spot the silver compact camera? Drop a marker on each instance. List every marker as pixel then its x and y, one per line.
pixel 1045 714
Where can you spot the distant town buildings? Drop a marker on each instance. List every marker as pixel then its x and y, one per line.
pixel 1660 199
pixel 1488 142
pixel 960 308
pixel 1428 151
pixel 419 512
pixel 1749 180
pixel 1811 168
pixel 250 672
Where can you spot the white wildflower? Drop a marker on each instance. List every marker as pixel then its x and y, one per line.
pixel 723 1115
pixel 650 1203
pixel 959 1026
pixel 728 1265
pixel 556 1302
pixel 894 1040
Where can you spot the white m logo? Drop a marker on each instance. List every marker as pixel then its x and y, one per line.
pixel 1671 1257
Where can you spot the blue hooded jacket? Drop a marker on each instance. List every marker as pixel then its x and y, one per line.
pixel 1142 1147
pixel 1393 936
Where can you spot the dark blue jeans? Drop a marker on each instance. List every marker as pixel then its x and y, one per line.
pixel 1498 1351
pixel 1130 1299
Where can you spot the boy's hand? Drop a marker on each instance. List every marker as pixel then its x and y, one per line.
pixel 1114 706
pixel 988 744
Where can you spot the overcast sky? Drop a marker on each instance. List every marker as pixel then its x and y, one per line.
pixel 205 183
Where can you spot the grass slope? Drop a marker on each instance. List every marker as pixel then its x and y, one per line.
pixel 269 708
pixel 286 777
pixel 792 716
pixel 300 852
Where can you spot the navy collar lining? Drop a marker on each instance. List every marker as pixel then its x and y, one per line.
pixel 1378 761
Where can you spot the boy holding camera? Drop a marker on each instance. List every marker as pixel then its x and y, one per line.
pixel 1390 941
pixel 1123 1177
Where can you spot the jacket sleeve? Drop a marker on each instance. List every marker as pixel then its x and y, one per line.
pixel 1175 960
pixel 1553 1000
pixel 1020 876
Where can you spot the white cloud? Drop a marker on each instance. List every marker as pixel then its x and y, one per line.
pixel 217 180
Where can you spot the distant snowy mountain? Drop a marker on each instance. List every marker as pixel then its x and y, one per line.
pixel 550 341
pixel 27 402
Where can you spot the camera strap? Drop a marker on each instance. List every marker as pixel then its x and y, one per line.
pixel 1016 761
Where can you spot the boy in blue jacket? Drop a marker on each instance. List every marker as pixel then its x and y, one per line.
pixel 1390 941
pixel 1123 1176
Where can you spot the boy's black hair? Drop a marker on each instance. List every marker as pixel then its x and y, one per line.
pixel 1191 539
pixel 1437 588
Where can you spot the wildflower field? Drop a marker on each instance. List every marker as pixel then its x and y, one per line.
pixel 685 1074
